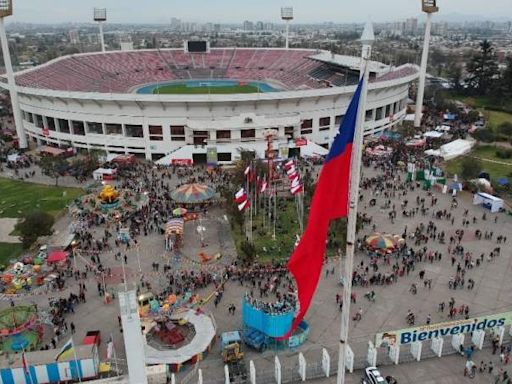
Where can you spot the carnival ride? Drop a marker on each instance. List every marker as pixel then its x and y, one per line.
pixel 110 203
pixel 263 330
pixel 181 338
pixel 193 194
pixel 20 329
pixel 33 271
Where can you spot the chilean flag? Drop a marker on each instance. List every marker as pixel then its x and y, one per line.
pixel 330 201
pixel 240 196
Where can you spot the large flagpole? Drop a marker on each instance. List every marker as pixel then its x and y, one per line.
pixel 355 174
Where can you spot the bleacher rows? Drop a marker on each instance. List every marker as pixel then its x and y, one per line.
pixel 119 72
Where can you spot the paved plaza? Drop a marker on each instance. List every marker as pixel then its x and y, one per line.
pixel 491 292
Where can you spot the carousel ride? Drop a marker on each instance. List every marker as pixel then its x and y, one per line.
pixel 20 329
pixel 109 202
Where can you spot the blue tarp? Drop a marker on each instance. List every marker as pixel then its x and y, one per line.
pixel 503 181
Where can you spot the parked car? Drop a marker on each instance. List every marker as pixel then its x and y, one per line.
pixel 372 376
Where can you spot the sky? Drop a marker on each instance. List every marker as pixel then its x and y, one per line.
pixel 223 11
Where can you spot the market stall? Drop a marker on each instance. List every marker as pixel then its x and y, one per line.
pixel 493 203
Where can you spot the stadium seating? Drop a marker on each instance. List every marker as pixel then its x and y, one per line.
pixel 122 71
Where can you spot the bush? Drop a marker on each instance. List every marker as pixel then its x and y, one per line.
pixel 33 225
pixel 485 135
pixel 503 153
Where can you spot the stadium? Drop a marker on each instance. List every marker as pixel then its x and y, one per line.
pixel 174 105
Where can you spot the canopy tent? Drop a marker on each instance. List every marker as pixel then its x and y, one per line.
pixel 192 193
pixel 503 181
pixel 443 128
pixel 433 134
pixel 379 151
pixel 57 256
pixel 416 143
pixel 174 226
pixel 493 203
pixel 104 174
pixel 455 148
pixel 52 150
pixel 455 186
pixel 449 116
pixel 13 158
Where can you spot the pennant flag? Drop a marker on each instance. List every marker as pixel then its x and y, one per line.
pixel 296 189
pixel 263 186
pixel 66 351
pixel 291 170
pixel 296 182
pixel 288 164
pixel 243 206
pixel 330 201
pixel 240 196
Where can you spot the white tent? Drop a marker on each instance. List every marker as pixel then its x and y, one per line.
pixel 433 134
pixel 13 158
pixel 100 173
pixel 493 203
pixel 456 148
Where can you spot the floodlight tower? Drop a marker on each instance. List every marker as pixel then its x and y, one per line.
pixel 429 7
pixel 6 10
pixel 287 16
pixel 100 16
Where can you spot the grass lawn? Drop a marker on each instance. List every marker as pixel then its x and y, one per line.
pixel 9 251
pixel 494 117
pixel 184 89
pixel 484 152
pixel 287 229
pixel 18 197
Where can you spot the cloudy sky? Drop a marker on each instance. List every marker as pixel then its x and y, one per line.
pixel 160 11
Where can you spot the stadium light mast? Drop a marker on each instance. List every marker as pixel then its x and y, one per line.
pixel 287 16
pixel 6 10
pixel 100 16
pixel 429 7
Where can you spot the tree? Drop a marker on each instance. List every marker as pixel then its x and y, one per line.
pixel 470 168
pixel 455 77
pixel 485 135
pixel 33 225
pixel 505 128
pixel 483 69
pixel 53 167
pixel 506 80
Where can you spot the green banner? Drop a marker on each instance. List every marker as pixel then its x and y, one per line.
pixel 449 328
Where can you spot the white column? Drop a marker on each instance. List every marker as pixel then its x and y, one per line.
pixel 423 72
pixel 18 120
pixel 132 335
pixel 367 41
pixel 287 32
pixel 102 40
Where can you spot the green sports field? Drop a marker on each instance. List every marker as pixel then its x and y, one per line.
pixel 180 89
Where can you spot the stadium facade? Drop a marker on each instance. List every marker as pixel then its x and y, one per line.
pixel 92 101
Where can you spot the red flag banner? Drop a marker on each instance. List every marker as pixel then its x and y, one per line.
pixel 330 201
